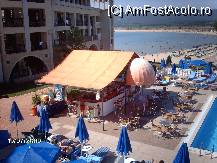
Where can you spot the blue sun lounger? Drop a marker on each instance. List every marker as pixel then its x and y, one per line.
pixel 200 80
pixel 192 75
pixel 101 152
pixel 75 154
pixel 91 159
pixel 211 79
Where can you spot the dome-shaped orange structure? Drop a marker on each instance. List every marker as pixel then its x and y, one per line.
pixel 140 73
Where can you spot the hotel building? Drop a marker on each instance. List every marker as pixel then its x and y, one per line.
pixel 32 33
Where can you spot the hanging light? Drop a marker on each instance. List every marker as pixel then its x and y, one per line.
pixel 97 95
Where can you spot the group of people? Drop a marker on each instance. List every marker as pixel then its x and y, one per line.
pixel 44 104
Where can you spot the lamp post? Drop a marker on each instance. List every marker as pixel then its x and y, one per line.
pixel 98 98
pixel 103 122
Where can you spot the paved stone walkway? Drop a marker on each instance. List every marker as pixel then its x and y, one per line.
pixel 64 125
pixel 140 151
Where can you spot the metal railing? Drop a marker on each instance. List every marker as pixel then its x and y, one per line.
pixel 90 38
pixel 16 22
pixel 37 23
pixel 68 22
pixel 59 23
pixel 38 46
pixel 79 23
pixel 211 152
pixel 58 42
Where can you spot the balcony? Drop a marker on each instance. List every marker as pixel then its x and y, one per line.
pixel 60 23
pixel 36 1
pixel 38 46
pixel 79 23
pixel 86 23
pixel 59 19
pixel 90 38
pixel 12 17
pixel 14 43
pixel 38 41
pixel 36 17
pixel 15 22
pixel 59 42
pixel 68 22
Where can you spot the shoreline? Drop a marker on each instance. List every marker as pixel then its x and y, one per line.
pixel 175 59
pixel 166 30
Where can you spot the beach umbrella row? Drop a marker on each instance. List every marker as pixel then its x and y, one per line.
pixel 35 152
pixel 45 152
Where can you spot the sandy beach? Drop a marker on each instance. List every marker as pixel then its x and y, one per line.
pixel 166 30
pixel 209 51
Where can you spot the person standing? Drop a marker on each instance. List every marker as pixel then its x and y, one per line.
pixel 98 110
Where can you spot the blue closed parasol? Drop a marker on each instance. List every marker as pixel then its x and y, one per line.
pixel 15 115
pixel 183 155
pixel 124 146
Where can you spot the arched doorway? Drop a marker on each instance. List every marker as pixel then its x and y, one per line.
pixel 93 47
pixel 28 66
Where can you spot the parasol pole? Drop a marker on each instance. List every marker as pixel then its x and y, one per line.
pixel 125 106
pixel 17 130
pixel 103 123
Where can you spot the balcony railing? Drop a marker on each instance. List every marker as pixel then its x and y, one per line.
pixel 90 38
pixel 86 23
pixel 79 23
pixel 59 42
pixel 16 22
pixel 68 22
pixel 37 1
pixel 39 23
pixel 60 23
pixel 18 49
pixel 39 46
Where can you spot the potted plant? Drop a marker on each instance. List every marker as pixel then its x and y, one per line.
pixel 35 100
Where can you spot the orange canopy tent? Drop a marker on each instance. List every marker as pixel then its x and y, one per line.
pixel 89 69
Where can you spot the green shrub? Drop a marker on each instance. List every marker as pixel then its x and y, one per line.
pixel 36 99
